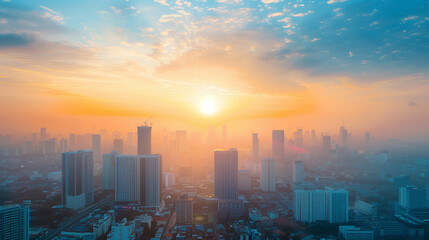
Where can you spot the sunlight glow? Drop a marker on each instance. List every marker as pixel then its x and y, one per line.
pixel 208 106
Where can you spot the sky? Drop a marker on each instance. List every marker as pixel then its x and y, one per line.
pixel 247 63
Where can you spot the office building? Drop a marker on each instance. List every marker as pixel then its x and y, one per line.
pixel 268 174
pixel 255 166
pixel 127 178
pixel 144 140
pixel 109 170
pixel 184 210
pixel 278 153
pixel 412 197
pixel 118 145
pixel 43 134
pixel 226 174
pixel 401 181
pixel 77 179
pixel 14 222
pixel 49 146
pixel 303 206
pixel 298 172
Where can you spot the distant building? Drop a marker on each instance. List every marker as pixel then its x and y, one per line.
pixel 278 153
pixel 268 174
pixel 96 146
pixel 401 181
pixel 109 170
pixel 255 148
pixel 244 182
pixel 118 145
pixel 184 210
pixel 226 174
pixel 168 179
pixel 412 197
pixel 49 146
pixel 63 145
pixel 144 140
pixel 298 172
pixel 14 222
pixel 354 233
pixel 77 179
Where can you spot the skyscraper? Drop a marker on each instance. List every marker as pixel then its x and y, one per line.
pixel 109 170
pixel 96 146
pixel 127 178
pixel 226 174
pixel 150 180
pixel 298 172
pixel 14 222
pixel 77 179
pixel 255 148
pixel 268 174
pixel 118 145
pixel 303 205
pixel 144 140
pixel 278 151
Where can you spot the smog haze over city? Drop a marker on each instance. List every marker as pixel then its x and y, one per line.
pixel 214 119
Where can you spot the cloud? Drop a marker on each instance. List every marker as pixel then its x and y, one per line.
pixel 271 1
pixel 335 1
pixel 9 40
pixel 49 13
pixel 163 2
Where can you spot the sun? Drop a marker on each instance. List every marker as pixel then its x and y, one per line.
pixel 208 106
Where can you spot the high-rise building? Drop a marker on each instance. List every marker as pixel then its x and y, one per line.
pixel 298 172
pixel 226 174
pixel 244 181
pixel 338 206
pixel 118 145
pixel 77 179
pixel 255 148
pixel 181 141
pixel 268 174
pixel 96 146
pixel 43 134
pixel 144 140
pixel 150 180
pixel 49 146
pixel 299 138
pixel 127 178
pixel 303 205
pixel 109 170
pixel 278 152
pixel 367 139
pixel 72 141
pixel 184 210
pixel 326 145
pixel 412 197
pixel 14 222
pixel 27 147
pixel 63 145
pixel 343 136
pixel 317 205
